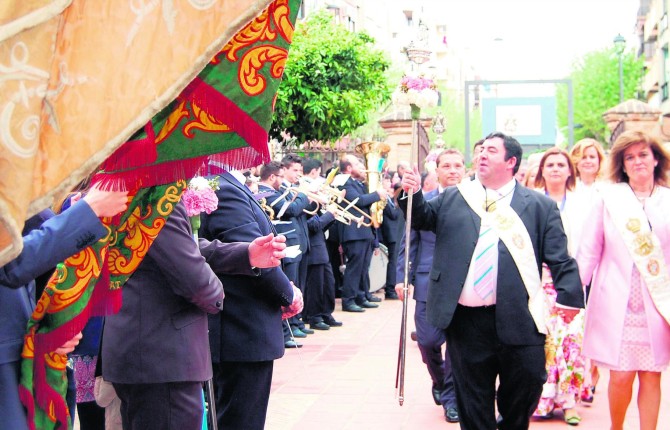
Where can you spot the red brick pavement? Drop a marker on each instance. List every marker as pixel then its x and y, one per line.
pixel 344 378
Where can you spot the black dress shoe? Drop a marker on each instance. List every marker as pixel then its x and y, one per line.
pixel 307 330
pixel 298 333
pixel 392 296
pixel 366 304
pixel 374 299
pixel 320 326
pixel 436 391
pixel 451 415
pixel 352 308
pixel 292 344
pixel 331 321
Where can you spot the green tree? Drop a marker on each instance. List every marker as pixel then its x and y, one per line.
pixel 333 79
pixel 595 82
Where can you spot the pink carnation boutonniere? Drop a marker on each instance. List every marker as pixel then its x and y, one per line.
pixel 199 197
pixel 418 92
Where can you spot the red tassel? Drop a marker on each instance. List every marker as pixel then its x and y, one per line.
pixel 227 112
pixel 134 153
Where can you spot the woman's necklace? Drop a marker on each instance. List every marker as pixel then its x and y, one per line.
pixel 643 199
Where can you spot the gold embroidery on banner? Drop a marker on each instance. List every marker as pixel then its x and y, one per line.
pixel 203 121
pixel 87 265
pixel 633 225
pixel 252 82
pixel 653 267
pixel 260 30
pixel 138 239
pixel 172 122
pixel 171 197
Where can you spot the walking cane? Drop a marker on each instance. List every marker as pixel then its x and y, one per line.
pixel 402 348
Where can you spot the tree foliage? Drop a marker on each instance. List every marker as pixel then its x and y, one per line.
pixel 333 79
pixel 595 82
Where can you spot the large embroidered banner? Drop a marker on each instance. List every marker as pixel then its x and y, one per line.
pixel 78 78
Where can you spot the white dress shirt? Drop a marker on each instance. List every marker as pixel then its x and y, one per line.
pixel 501 196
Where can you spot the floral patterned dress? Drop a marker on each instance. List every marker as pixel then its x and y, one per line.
pixel 565 362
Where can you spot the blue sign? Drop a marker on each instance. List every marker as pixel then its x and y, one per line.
pixel 530 120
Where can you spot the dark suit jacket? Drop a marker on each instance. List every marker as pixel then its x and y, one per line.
pixel 58 238
pixel 296 232
pixel 457 229
pixel 421 250
pixel 317 225
pixel 160 333
pixel 249 328
pixel 392 224
pixel 356 189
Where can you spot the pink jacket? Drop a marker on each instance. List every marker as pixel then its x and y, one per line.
pixel 602 254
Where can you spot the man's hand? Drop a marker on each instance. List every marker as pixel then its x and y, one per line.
pixel 106 203
pixel 411 181
pixel 382 194
pixel 400 290
pixel 295 307
pixel 68 346
pixel 267 251
pixel 567 314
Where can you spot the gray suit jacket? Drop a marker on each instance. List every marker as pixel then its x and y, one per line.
pixel 160 333
pixel 457 229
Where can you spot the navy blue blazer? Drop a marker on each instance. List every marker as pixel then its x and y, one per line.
pixel 392 224
pixel 317 226
pixel 249 328
pixel 295 230
pixel 58 238
pixel 356 189
pixel 421 250
pixel 160 333
pixel 457 230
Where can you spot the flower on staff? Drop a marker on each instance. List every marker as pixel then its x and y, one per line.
pixel 200 197
pixel 416 91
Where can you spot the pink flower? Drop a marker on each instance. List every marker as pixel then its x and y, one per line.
pixel 198 201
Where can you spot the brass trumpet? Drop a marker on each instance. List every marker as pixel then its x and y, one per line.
pixel 327 197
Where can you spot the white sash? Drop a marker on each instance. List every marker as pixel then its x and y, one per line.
pixel 514 235
pixel 642 243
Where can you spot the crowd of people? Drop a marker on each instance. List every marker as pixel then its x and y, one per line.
pixel 527 282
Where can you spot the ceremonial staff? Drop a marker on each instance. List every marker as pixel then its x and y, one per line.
pixel 417 92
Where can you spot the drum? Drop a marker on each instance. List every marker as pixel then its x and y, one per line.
pixel 377 270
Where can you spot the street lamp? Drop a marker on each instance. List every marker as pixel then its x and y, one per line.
pixel 619 47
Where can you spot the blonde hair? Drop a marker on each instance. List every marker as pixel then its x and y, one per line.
pixel 577 153
pixel 628 139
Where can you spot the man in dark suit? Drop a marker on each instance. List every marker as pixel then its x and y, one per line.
pixel 490 302
pixel 156 352
pixel 289 220
pixel 246 336
pixel 392 229
pixel 357 241
pixel 450 171
pixel 51 239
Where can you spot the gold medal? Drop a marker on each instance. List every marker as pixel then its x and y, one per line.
pixel 633 225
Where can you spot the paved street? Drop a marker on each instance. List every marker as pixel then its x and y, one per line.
pixel 344 378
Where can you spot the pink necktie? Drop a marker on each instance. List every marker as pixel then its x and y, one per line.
pixel 484 276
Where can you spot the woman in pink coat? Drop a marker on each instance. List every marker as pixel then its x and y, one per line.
pixel 626 248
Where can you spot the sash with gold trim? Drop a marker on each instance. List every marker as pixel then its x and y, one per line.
pixel 514 235
pixel 642 243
